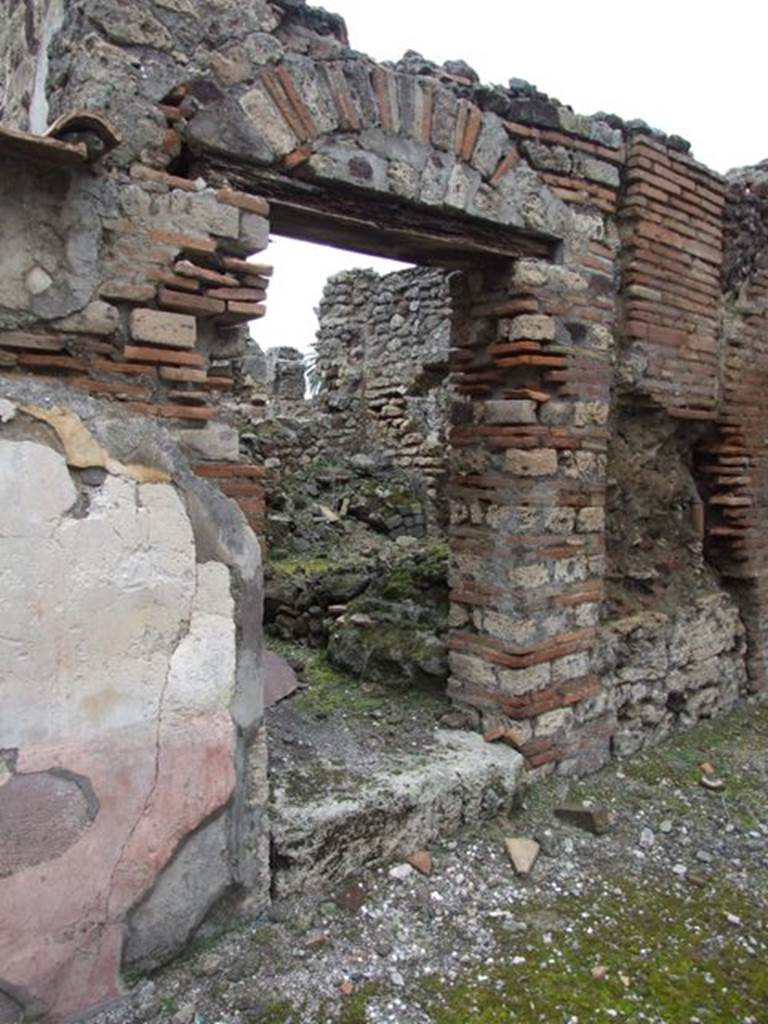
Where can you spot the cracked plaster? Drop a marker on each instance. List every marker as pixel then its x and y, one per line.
pixel 120 659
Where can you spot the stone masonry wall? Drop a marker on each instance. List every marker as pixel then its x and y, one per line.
pixel 734 465
pixel 382 363
pixel 133 757
pixel 588 254
pixel 540 207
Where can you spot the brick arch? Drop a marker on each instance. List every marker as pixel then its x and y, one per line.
pixel 409 138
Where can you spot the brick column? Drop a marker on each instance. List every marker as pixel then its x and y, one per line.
pixel 527 503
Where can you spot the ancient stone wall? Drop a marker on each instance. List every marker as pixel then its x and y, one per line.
pixel 733 467
pixel 378 382
pixel 586 289
pixel 382 366
pixel 554 203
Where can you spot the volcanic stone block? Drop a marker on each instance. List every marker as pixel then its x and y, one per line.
pixel 175 330
pixel 540 462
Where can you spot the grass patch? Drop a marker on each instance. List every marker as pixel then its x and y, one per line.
pixel 353 1008
pixel 280 1012
pixel 676 760
pixel 669 956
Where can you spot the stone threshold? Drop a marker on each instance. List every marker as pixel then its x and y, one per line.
pixel 332 817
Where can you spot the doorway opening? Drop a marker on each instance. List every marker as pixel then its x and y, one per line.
pixel 354 436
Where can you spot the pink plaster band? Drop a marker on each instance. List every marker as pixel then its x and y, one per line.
pixel 61 921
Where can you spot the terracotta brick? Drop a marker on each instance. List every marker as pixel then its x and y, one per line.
pixel 23 339
pixel 472 128
pixel 182 374
pixel 251 310
pixel 381 79
pixel 189 243
pixel 241 488
pixel 349 119
pixel 254 281
pixel 159 355
pixel 228 469
pixel 505 165
pixel 237 294
pixel 189 396
pixel 530 360
pixel 244 201
pixel 529 393
pixel 252 506
pixel 139 172
pixel 185 268
pixel 194 305
pixel 171 280
pixel 246 267
pixel 127 291
pixel 297 157
pixel 132 369
pixel 51 362
pixel 122 389
pixel 295 99
pixel 460 126
pixel 176 412
pixel 427 103
pixel 277 93
pixel 508 348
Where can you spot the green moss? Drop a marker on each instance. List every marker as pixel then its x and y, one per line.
pixel 669 956
pixel 280 1012
pixel 303 787
pixel 424 572
pixel 676 761
pixel 353 1008
pixel 400 584
pixel 302 566
pixel 437 554
pixel 329 690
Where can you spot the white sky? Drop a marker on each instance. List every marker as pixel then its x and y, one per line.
pixel 690 67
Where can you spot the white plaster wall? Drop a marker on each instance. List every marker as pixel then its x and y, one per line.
pixel 106 621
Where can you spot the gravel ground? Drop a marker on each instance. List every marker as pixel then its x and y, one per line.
pixel 663 919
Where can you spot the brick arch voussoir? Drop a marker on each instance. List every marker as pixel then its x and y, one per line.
pixel 368 125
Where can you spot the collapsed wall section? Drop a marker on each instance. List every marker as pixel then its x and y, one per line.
pixel 672 648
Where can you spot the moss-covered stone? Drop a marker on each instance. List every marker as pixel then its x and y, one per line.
pixel 398 655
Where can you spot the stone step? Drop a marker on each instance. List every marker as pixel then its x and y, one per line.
pixel 332 822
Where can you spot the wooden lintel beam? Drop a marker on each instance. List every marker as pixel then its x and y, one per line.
pixel 380 226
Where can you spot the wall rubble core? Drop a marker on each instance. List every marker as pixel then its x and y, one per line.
pixel 602 330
